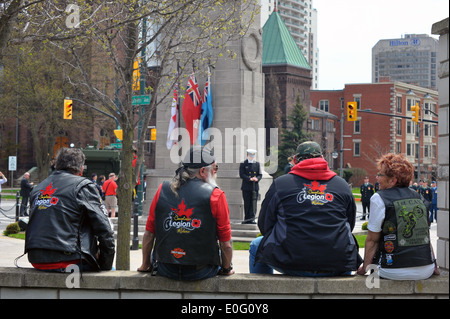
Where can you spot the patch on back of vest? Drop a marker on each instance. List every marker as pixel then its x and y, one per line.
pixel 412 225
pixel 181 219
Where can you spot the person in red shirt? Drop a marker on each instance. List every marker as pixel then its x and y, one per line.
pixel 187 217
pixel 109 188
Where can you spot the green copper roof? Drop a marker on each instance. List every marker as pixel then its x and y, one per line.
pixel 279 46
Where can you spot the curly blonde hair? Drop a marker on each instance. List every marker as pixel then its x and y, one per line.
pixel 398 166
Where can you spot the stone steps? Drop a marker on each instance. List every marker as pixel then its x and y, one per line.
pixel 239 232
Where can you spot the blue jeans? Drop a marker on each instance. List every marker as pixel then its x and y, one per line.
pixel 261 268
pixel 179 272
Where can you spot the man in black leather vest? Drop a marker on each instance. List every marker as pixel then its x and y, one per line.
pixel 68 223
pixel 187 219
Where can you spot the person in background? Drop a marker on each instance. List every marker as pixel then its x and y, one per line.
pixel 366 190
pixel 250 173
pixel 289 165
pixel 3 180
pixel 109 188
pixel 433 207
pixel 94 180
pixel 398 239
pixel 25 190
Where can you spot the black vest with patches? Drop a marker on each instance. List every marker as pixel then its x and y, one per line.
pixel 405 240
pixel 185 227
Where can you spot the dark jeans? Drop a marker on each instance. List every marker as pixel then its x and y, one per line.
pixel 261 268
pixel 24 206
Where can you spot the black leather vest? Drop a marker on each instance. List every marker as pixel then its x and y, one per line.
pixel 185 227
pixel 405 240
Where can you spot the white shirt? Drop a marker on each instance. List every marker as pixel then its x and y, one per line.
pixel 2 181
pixel 376 219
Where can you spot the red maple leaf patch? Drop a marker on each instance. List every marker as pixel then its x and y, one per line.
pixel 48 191
pixel 182 211
pixel 315 186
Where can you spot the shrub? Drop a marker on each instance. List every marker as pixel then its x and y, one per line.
pixel 12 228
pixel 364 226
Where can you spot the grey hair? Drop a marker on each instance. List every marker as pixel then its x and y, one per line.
pixel 70 159
pixel 183 174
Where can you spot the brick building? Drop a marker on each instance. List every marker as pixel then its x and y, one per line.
pixel 375 134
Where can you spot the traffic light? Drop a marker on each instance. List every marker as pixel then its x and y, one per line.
pixel 67 109
pixel 352 111
pixel 415 109
pixel 136 74
pixel 119 134
pixel 153 134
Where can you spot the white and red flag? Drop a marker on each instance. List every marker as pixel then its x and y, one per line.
pixel 172 137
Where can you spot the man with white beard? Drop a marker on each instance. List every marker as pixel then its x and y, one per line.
pixel 187 217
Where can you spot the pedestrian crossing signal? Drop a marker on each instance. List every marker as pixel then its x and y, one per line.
pixel 67 109
pixel 352 111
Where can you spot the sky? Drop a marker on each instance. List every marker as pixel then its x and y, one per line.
pixel 349 29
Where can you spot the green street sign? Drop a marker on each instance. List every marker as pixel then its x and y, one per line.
pixel 141 100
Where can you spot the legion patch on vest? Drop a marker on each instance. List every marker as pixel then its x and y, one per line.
pixel 412 228
pixel 181 219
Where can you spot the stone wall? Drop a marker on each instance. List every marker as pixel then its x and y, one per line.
pixel 441 29
pixel 30 283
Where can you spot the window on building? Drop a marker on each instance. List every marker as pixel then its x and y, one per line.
pixel 315 124
pixel 398 147
pixel 356 148
pixel 426 151
pixel 409 150
pixel 426 130
pixel 408 104
pixel 323 105
pixel 357 99
pixel 399 104
pixel 399 127
pixel 357 127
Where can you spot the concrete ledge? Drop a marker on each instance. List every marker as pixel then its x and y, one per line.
pixel 30 283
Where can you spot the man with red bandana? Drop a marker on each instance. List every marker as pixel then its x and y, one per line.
pixel 306 220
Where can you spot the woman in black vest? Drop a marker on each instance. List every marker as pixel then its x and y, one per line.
pixel 398 240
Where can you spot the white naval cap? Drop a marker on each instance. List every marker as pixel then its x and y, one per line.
pixel 251 151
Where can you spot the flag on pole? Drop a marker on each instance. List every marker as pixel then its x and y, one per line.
pixel 191 108
pixel 172 139
pixel 207 112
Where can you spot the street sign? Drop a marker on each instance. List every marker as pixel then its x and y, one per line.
pixel 117 146
pixel 141 100
pixel 12 163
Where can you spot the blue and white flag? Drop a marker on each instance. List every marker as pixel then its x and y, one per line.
pixel 207 112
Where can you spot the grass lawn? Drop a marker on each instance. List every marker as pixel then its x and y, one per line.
pixel 237 245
